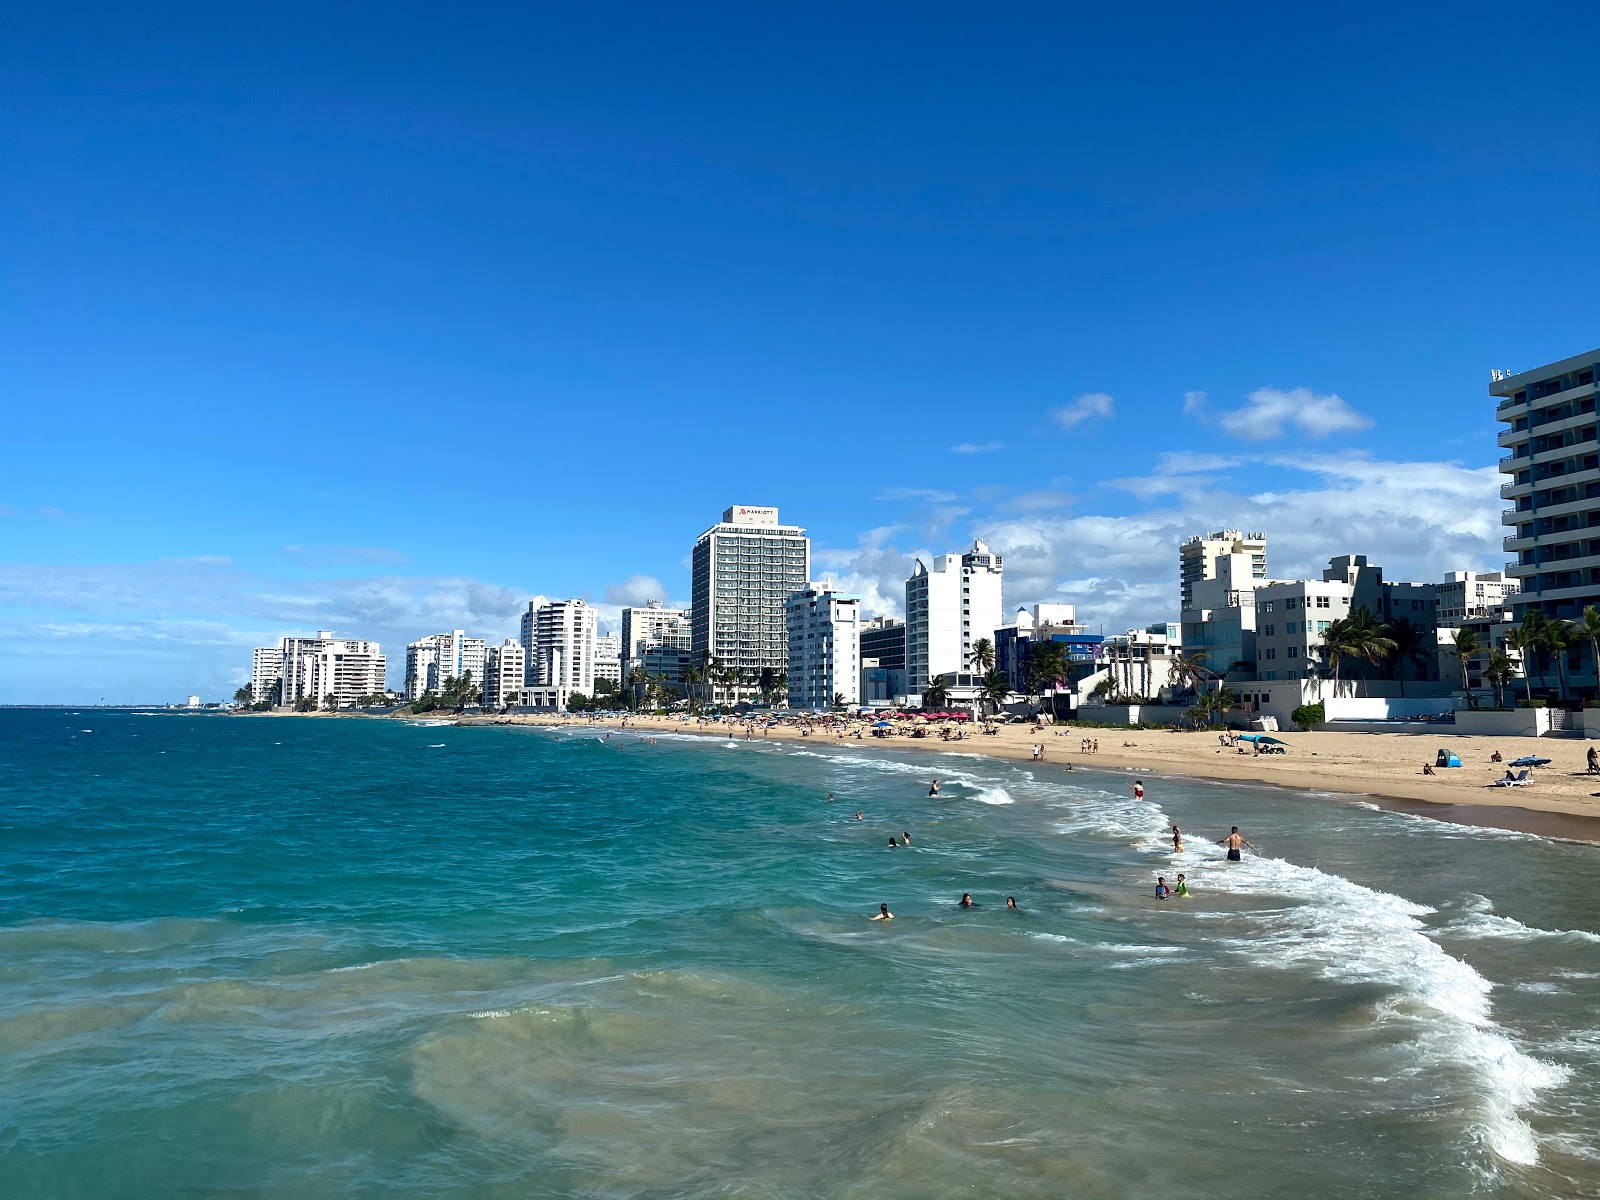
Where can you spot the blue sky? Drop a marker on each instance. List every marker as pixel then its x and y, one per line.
pixel 386 318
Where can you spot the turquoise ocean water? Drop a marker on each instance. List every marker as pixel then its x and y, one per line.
pixel 254 957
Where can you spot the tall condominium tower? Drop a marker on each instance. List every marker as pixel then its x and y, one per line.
pixel 1198 556
pixel 503 674
pixel 744 568
pixel 824 635
pixel 948 607
pixel 558 639
pixel 1553 464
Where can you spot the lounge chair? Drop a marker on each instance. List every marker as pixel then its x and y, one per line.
pixel 1526 776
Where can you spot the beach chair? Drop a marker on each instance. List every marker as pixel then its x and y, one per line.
pixel 1524 777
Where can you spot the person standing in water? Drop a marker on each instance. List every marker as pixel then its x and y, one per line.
pixel 883 914
pixel 1233 841
pixel 830 797
pixel 905 838
pixel 1162 890
pixel 858 814
pixel 1177 840
pixel 1183 888
pixel 1138 789
pixel 966 900
pixel 1011 903
pixel 934 790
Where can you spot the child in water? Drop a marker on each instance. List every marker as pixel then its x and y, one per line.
pixel 1183 888
pixel 1162 890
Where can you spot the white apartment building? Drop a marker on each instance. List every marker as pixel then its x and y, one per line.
pixel 1470 596
pixel 558 639
pixel 1290 621
pixel 266 670
pixel 1200 557
pixel 948 607
pixel 315 668
pixel 652 628
pixel 1140 662
pixel 503 673
pixel 608 657
pixel 744 568
pixel 441 656
pixel 1553 467
pixel 823 630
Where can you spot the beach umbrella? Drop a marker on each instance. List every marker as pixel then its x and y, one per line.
pixel 880 724
pixel 961 716
pixel 1530 760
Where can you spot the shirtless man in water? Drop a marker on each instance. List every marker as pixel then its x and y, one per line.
pixel 1233 841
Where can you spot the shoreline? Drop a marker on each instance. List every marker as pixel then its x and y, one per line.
pixel 1572 814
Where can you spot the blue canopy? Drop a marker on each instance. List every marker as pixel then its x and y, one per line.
pixel 1530 760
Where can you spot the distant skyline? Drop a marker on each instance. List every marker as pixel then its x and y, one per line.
pixel 386 320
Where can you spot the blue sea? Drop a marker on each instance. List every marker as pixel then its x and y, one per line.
pixel 256 957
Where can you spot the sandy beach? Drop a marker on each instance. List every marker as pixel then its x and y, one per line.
pixel 1562 801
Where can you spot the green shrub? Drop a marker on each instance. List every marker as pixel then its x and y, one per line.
pixel 1308 716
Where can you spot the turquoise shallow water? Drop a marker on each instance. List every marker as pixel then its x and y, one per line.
pixel 305 958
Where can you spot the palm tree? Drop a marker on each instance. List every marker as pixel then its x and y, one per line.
pixel 934 692
pixel 1497 674
pixel 780 686
pixel 994 689
pixel 1522 642
pixel 1047 665
pixel 1360 635
pixel 1589 630
pixel 1190 670
pixel 981 657
pixel 1464 644
pixel 1560 637
pixel 1536 637
pixel 1410 645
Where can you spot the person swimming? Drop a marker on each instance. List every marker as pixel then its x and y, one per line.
pixel 1011 903
pixel 934 790
pixel 883 914
pixel 1162 890
pixel 830 797
pixel 1233 841
pixel 905 838
pixel 966 900
pixel 893 844
pixel 1183 888
pixel 858 814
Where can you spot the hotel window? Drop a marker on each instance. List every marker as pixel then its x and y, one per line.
pixel 1272 652
pixel 1322 602
pixel 1322 626
pixel 1288 626
pixel 1269 630
pixel 1266 606
pixel 1294 652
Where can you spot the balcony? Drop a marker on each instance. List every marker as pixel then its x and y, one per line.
pixel 1510 491
pixel 1516 542
pixel 1508 516
pixel 1521 570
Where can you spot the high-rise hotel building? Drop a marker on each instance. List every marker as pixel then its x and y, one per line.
pixel 1553 487
pixel 743 569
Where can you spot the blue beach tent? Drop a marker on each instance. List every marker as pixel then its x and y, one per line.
pixel 1446 759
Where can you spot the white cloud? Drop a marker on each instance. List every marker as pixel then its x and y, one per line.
pixel 976 448
pixel 1090 404
pixel 635 590
pixel 1194 403
pixel 1268 411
